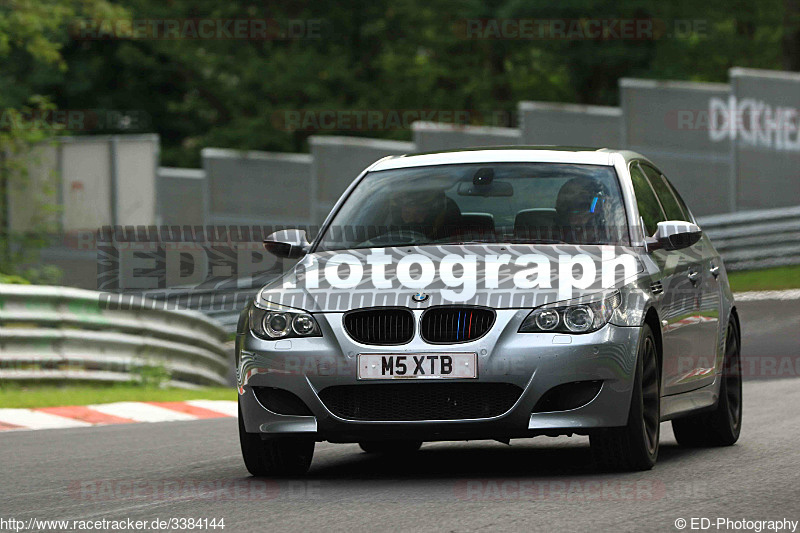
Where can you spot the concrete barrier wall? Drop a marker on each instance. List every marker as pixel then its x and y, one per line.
pixel 336 161
pixel 135 160
pixel 433 136
pixel 181 196
pixel 85 167
pixel 41 186
pixel 257 188
pixel 669 122
pixel 765 108
pixel 74 185
pixel 559 124
pixel 93 180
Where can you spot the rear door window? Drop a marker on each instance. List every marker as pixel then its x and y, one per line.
pixel 668 201
pixel 684 207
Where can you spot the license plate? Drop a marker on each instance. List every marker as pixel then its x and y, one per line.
pixel 417 365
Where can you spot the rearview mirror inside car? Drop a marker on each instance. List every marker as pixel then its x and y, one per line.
pixel 493 188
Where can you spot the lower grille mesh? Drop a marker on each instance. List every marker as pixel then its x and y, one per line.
pixel 420 401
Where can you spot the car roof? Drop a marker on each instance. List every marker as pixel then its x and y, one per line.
pixel 506 154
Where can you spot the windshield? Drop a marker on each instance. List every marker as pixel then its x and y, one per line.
pixel 487 202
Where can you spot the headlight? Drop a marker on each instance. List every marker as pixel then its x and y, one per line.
pixel 280 322
pixel 572 318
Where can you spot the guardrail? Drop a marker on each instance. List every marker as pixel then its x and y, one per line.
pixel 222 305
pixel 756 239
pixel 61 333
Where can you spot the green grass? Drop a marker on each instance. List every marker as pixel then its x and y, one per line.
pixel 42 395
pixel 769 279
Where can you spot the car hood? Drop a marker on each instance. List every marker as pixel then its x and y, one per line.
pixel 312 284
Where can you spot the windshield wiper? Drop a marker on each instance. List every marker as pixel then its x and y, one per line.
pixel 461 243
pixel 536 241
pixel 507 241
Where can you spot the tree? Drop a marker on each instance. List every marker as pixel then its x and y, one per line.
pixel 391 55
pixel 32 33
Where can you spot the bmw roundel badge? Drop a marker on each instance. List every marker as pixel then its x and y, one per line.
pixel 420 297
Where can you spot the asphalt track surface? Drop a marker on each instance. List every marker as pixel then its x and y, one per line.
pixel 194 470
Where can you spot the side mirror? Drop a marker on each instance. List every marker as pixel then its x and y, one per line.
pixel 674 235
pixel 287 244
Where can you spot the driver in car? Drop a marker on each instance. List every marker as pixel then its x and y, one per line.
pixel 427 212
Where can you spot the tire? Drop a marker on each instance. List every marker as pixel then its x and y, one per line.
pixel 634 446
pixel 277 456
pixel 389 447
pixel 722 426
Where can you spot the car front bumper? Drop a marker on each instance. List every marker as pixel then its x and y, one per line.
pixel 535 362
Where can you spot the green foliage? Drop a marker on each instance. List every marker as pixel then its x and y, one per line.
pixel 32 36
pixel 13 280
pixel 150 375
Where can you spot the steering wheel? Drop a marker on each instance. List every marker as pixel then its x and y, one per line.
pixel 397 237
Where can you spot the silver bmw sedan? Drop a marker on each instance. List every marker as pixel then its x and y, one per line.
pixel 496 293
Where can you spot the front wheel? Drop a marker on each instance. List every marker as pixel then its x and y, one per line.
pixel 634 446
pixel 277 456
pixel 720 427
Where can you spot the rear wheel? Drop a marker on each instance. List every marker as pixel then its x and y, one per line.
pixel 635 445
pixel 393 447
pixel 277 456
pixel 720 427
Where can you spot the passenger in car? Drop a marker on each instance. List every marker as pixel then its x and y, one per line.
pixel 580 212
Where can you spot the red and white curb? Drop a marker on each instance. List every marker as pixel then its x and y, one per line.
pixel 114 413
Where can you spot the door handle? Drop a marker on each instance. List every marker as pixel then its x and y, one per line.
pixel 694 276
pixel 714 270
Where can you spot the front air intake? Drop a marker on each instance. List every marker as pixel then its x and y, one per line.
pixel 568 396
pixel 420 401
pixel 281 401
